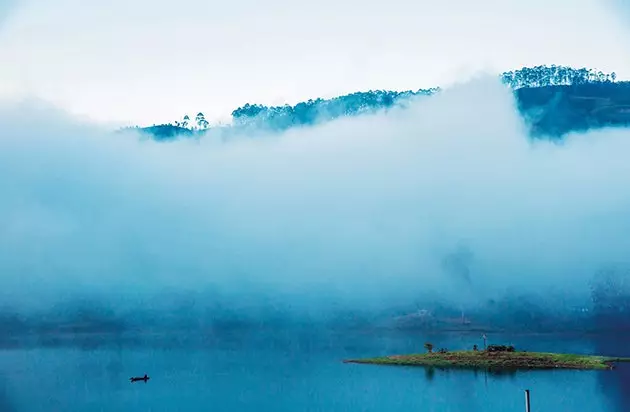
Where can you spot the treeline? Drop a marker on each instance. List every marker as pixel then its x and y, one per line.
pixel 553 75
pixel 306 113
pixel 278 118
pixel 319 110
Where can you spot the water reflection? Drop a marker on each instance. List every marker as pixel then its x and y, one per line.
pixel 283 371
pixel 616 385
pixel 6 405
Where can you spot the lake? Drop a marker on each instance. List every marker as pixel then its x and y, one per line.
pixel 292 371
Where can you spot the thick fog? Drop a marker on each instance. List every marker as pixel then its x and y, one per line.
pixel 362 213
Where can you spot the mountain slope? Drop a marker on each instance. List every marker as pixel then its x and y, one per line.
pixel 554 100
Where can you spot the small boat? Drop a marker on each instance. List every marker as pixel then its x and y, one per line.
pixel 137 378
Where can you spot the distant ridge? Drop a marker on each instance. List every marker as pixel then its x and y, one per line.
pixel 554 100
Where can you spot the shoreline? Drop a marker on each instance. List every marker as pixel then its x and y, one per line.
pixel 497 360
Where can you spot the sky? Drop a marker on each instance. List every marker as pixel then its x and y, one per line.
pixel 144 61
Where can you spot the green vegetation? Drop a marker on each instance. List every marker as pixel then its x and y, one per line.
pixel 496 360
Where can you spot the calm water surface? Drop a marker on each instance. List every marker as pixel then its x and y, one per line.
pixel 292 371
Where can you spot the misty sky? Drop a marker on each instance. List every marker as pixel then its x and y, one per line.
pixel 355 213
pixel 151 61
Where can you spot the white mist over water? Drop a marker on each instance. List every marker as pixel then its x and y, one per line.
pixel 355 213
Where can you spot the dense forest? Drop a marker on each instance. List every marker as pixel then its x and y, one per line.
pixel 554 100
pixel 553 75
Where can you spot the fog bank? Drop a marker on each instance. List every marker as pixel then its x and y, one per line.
pixel 356 214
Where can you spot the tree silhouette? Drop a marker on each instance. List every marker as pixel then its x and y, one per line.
pixel 314 111
pixel 540 76
pixel 201 121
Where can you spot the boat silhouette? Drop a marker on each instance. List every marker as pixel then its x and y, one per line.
pixel 138 378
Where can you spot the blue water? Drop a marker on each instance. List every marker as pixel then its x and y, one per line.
pixel 291 371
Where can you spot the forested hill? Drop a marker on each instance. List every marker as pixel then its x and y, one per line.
pixel 553 99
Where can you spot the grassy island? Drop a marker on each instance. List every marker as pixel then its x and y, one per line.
pixel 496 360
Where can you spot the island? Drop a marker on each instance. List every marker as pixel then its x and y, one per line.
pixel 505 358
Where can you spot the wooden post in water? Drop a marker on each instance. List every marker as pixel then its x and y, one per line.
pixel 527 404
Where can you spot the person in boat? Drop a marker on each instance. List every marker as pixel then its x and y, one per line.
pixel 144 378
